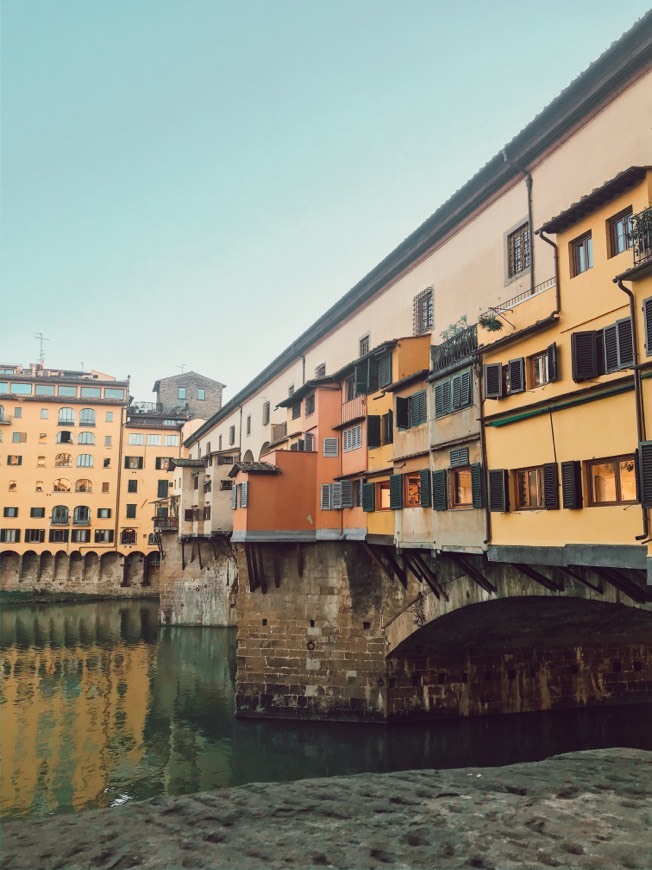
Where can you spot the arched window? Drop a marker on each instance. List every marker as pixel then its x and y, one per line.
pixel 87 417
pixel 61 485
pixel 84 460
pixel 62 459
pixel 128 536
pixel 66 417
pixel 81 515
pixel 60 514
pixel 84 485
pixel 86 438
pixel 64 437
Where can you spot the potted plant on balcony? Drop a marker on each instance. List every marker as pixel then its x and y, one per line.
pixel 490 321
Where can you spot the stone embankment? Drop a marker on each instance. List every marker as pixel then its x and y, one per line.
pixel 585 810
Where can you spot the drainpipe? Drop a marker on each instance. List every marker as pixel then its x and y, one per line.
pixel 530 211
pixel 483 449
pixel 240 436
pixel 303 369
pixel 638 393
pixel 557 287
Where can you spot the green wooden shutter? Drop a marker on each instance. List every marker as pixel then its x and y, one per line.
pixel 625 343
pixel 645 473
pixel 373 432
pixel 162 489
pixel 466 389
pixel 388 427
pixel 551 486
pixel 516 370
pixel 439 400
pixel 459 456
pixel 584 352
pixel 385 370
pixel 477 488
pixel 456 391
pixel 424 488
pixel 361 379
pixel 493 380
pixel 610 337
pixel 447 402
pixel 498 490
pixel 421 407
pixel 647 317
pixel 368 497
pixel 571 484
pixel 372 375
pixel 439 490
pixel 396 492
pixel 402 413
pixel 551 353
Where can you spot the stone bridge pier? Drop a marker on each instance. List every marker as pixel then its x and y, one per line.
pixel 345 631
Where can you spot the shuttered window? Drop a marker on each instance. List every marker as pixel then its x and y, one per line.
pixel 234 500
pixel 411 411
pixel 551 486
pixel 439 490
pixel 453 394
pixel 597 352
pixel 647 318
pixel 498 490
pixel 338 495
pixel 396 492
pixel 516 375
pixel 493 381
pixel 325 501
pixel 368 497
pixel 584 352
pixel 459 456
pixel 331 447
pixel 352 438
pixel 385 370
pixel 388 427
pixel 373 432
pixel 645 473
pixel 244 495
pixel 365 377
pixel 571 484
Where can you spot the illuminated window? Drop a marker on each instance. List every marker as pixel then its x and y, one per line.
pixel 461 491
pixel 612 481
pixel 412 484
pixel 528 485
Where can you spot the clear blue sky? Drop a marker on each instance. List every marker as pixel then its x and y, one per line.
pixel 171 167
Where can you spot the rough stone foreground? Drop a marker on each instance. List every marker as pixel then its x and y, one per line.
pixel 584 809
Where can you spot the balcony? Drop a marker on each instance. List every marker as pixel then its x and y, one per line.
pixel 166 523
pixel 642 237
pixel 454 349
pixel 5 420
pixel 354 409
pixel 279 431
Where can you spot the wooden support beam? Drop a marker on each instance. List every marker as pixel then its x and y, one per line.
pixel 574 574
pixel 378 561
pixel 418 569
pixel 260 566
pixel 277 566
pixel 396 566
pixel 299 560
pixel 621 582
pixel 431 578
pixel 538 577
pixel 201 564
pixel 251 569
pixel 473 572
pixel 183 554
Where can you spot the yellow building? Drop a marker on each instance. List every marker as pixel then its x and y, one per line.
pixel 562 416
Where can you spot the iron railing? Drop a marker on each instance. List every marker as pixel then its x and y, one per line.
pixel 642 236
pixel 166 522
pixel 455 348
pixel 527 294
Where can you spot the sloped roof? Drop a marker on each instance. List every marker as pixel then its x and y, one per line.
pixel 187 463
pixel 254 468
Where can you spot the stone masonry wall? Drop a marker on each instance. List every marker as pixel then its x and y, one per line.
pixel 313 647
pixel 204 591
pixel 518 682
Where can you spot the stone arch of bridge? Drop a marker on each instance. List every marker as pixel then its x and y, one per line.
pixel 540 596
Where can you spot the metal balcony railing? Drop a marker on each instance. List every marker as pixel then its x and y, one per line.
pixel 354 408
pixel 455 348
pixel 527 294
pixel 642 236
pixel 166 522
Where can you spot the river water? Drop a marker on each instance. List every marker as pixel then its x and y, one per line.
pixel 100 706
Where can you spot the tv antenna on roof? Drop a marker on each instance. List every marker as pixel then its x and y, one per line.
pixel 41 352
pixel 182 367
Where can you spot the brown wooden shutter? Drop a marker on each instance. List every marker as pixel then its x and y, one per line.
pixel 551 486
pixel 498 490
pixel 625 343
pixel 571 484
pixel 610 337
pixel 493 381
pixel 516 369
pixel 584 352
pixel 551 353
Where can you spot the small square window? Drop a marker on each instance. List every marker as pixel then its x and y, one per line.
pixel 201 395
pixel 37 512
pixel 106 487
pixel 320 371
pixel 581 254
pixel 18 413
pixel 132 486
pixel 109 416
pixel 10 512
pixel 18 437
pixel 44 413
pixel 131 511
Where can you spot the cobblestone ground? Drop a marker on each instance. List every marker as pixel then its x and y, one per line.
pixel 585 809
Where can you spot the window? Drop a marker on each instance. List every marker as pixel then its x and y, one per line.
pixel 207 512
pixel 132 486
pixel 10 512
pixel 61 485
pixel 581 252
pixel 87 417
pixel 60 514
pixel 336 496
pixel 66 417
pixel 352 438
pixel 309 442
pixel 621 237
pixel 42 438
pixel 14 460
pixel 113 393
pixel 296 411
pixel 131 512
pixel 454 393
pixel 37 513
pixel 195 482
pixel 171 440
pixel 103 536
pixel 538 371
pixel 320 371
pixel 86 438
pixel 18 413
pixel 364 345
pixel 201 395
pixel 219 444
pixel 84 460
pixel 21 389
pixel 518 251
pixel 248 424
pixel 265 415
pixel 385 370
pixel 153 440
pixel 81 515
pixel 162 491
pixel 330 447
pixel 65 437
pixel 310 404
pixel 34 536
pixel 461 491
pixel 598 352
pixel 18 437
pixel 612 481
pixel 91 393
pixel 412 489
pixel 107 440
pixel 44 390
pixel 106 487
pixel 135 439
pixel 226 485
pixel 84 485
pixel 109 417
pixel 231 435
pixel 44 413
pixel 349 389
pixel 528 488
pixel 106 462
pixel 12 486
pixel 80 536
pixel 9 536
pixel 38 487
pixel 58 536
pixel 181 393
pixel 411 411
pixel 104 513
pixel 67 391
pixel 382 496
pixel 162 463
pixel 133 462
pixel 128 536
pixel 422 312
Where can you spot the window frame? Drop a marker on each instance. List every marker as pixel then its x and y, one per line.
pixel 453 502
pixel 518 264
pixel 613 235
pixel 616 460
pixel 579 247
pixel 538 471
pixel 412 496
